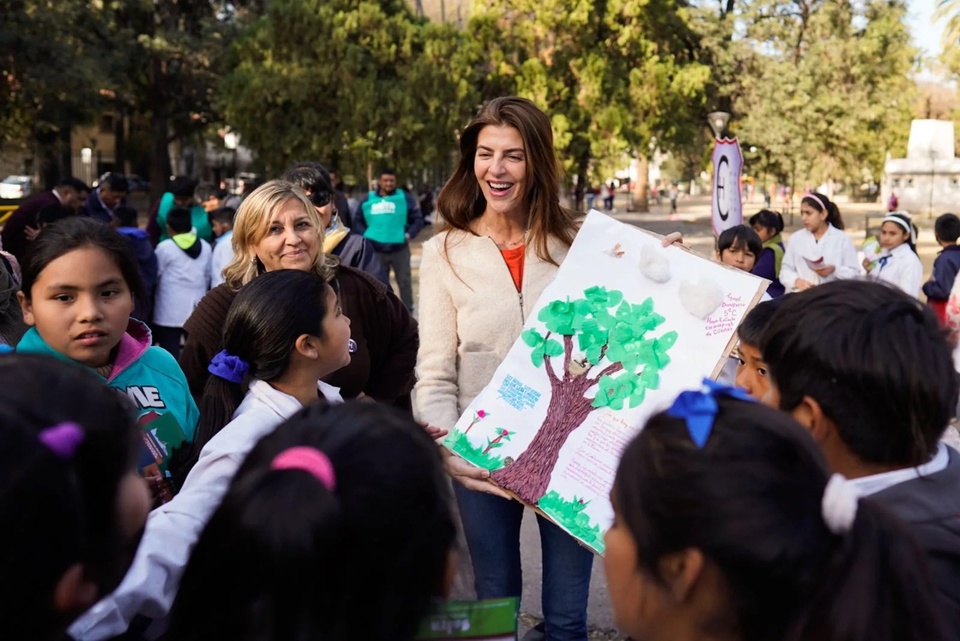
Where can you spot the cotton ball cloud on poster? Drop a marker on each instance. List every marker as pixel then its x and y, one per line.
pixel 654 264
pixel 700 297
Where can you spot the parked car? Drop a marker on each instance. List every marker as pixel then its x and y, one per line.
pixel 16 187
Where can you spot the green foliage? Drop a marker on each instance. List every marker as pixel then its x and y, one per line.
pixel 49 63
pixel 570 515
pixel 820 87
pixel 614 75
pixel 458 443
pixel 365 82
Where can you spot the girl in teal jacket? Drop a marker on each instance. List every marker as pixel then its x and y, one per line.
pixel 77 295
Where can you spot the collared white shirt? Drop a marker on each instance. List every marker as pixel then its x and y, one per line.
pixel 834 247
pixel 901 267
pixel 173 529
pixel 874 483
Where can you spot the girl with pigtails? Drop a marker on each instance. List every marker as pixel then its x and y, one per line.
pixel 276 348
pixel 728 525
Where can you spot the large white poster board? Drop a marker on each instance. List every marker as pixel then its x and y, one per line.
pixel 624 328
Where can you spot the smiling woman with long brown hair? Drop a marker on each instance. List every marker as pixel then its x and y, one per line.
pixel 504 237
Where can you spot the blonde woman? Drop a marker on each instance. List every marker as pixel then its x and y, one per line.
pixel 277 227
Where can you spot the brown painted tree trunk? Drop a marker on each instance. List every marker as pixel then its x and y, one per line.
pixel 642 186
pixel 529 476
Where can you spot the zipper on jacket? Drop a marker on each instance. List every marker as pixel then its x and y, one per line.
pixel 519 291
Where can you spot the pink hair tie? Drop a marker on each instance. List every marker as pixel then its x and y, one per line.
pixel 310 460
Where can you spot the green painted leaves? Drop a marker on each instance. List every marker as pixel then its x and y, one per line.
pixel 541 346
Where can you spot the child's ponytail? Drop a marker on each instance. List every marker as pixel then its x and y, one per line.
pixel 260 332
pixel 875 588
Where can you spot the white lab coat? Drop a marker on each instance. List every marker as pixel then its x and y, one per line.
pixel 903 269
pixel 836 249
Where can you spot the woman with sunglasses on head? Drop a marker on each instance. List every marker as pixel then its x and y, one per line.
pixel 351 248
pixel 278 227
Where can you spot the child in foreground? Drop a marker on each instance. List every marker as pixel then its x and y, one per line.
pixel 752 374
pixel 276 349
pixel 729 525
pixel 342 519
pixel 71 503
pixel 868 371
pixel 79 284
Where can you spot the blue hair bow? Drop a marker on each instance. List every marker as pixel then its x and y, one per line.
pixel 228 367
pixel 699 408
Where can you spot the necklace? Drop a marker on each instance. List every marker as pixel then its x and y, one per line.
pixel 509 244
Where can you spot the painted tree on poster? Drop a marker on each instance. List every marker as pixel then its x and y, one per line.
pixel 597 353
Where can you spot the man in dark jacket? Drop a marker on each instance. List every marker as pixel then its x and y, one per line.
pixel 353 249
pixel 101 202
pixel 22 226
pixel 877 396
pixel 390 218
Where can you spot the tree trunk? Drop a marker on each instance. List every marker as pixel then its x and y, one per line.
pixel 530 475
pixel 642 186
pixel 583 180
pixel 120 138
pixel 160 153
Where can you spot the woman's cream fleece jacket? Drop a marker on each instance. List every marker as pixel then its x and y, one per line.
pixel 470 315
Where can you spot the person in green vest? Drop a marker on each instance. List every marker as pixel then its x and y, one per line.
pixel 769 225
pixel 181 194
pixel 389 218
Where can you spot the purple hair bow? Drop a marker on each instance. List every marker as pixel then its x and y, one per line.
pixel 228 367
pixel 62 439
pixel 699 408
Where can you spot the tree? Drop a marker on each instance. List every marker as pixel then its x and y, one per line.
pixel 820 87
pixel 168 59
pixel 49 66
pixel 350 83
pixel 616 363
pixel 612 74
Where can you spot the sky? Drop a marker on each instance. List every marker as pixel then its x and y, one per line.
pixel 926 34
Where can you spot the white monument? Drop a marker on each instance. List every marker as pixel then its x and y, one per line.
pixel 928 179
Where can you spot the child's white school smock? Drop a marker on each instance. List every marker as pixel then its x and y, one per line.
pixel 900 267
pixel 836 249
pixel 173 529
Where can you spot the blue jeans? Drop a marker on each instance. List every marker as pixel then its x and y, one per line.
pixel 491 526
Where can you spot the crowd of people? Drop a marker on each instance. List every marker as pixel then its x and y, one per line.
pixel 225 425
